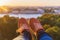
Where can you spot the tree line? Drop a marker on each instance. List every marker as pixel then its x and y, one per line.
pixel 51 24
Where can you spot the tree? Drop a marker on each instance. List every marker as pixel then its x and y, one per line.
pixel 54 32
pixel 8 27
pixel 46 26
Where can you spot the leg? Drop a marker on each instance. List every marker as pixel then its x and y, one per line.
pixel 27 35
pixel 41 35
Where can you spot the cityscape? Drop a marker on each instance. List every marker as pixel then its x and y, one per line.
pixel 28 10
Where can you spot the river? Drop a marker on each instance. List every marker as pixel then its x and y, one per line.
pixel 22 15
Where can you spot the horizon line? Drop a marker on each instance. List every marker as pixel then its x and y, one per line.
pixel 30 6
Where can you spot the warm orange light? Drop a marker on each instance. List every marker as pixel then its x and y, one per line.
pixel 4 9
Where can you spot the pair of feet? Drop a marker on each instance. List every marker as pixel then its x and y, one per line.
pixel 24 24
pixel 25 27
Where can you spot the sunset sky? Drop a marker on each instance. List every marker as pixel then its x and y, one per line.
pixel 30 2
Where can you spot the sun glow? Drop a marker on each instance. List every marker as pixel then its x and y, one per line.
pixel 3 2
pixel 4 8
pixel 30 2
